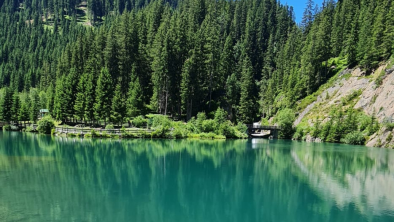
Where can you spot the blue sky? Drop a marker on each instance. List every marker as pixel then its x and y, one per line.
pixel 299 6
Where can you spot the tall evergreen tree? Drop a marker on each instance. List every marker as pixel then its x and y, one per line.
pixel 118 109
pixel 247 101
pixel 104 94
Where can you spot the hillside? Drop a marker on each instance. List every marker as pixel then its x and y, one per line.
pixel 352 89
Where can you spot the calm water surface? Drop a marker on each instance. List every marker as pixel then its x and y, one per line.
pixel 58 179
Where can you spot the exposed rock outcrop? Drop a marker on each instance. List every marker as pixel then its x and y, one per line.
pixel 373 97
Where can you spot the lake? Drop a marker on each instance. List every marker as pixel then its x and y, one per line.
pixel 44 178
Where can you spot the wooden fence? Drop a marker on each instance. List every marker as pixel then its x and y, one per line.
pixel 84 131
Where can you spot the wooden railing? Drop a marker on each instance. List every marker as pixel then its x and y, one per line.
pixel 84 131
pixel 253 126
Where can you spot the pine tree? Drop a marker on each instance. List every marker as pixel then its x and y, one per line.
pixel 246 104
pixel 79 106
pixel 16 105
pixel 308 16
pixel 24 110
pixel 135 103
pixel 6 105
pixel 104 94
pixel 118 110
pixel 34 105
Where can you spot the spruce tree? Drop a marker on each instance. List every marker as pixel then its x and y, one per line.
pixel 6 105
pixel 16 105
pixel 118 109
pixel 79 106
pixel 135 103
pixel 247 102
pixel 34 105
pixel 104 94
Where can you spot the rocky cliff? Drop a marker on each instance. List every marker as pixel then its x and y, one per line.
pixel 372 94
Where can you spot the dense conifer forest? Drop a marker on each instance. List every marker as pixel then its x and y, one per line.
pixel 109 60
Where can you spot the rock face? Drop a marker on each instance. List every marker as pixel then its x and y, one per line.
pixel 375 99
pixel 382 139
pixel 311 139
pixel 358 73
pixel 379 100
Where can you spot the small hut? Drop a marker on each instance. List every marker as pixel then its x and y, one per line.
pixel 44 112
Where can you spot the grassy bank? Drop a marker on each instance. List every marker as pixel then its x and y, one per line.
pixel 159 126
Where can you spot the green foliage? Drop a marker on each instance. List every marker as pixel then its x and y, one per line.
pixel 285 119
pixel 109 126
pixel 389 126
pixel 208 125
pixel 30 129
pixel 264 122
pixel 389 137
pixel 220 116
pixel 354 138
pixel 46 125
pixel 352 96
pixel 7 127
pixel 300 132
pixel 139 121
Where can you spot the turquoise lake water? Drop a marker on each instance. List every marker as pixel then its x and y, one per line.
pixel 45 178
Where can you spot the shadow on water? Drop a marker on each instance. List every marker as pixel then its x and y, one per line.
pixel 45 178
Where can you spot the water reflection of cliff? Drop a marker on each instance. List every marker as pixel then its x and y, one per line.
pixel 58 179
pixel 361 177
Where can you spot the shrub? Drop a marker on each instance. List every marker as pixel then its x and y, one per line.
pixel 285 119
pixel 30 129
pixel 316 129
pixel 264 122
pixel 45 125
pixel 220 116
pixel 208 125
pixel 241 127
pixel 299 134
pixel 355 138
pixel 389 137
pixel 200 118
pixel 109 126
pixel 7 127
pixel 139 121
pixel 93 133
pixel 160 120
pixel 191 126
pixel 160 132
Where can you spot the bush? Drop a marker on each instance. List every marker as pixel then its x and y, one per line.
pixel 299 134
pixel 200 119
pixel 7 127
pixel 45 125
pixel 241 127
pixel 160 132
pixel 264 122
pixel 30 129
pixel 220 116
pixel 160 120
pixel 109 126
pixel 285 119
pixel 389 137
pixel 354 138
pixel 208 125
pixel 139 121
